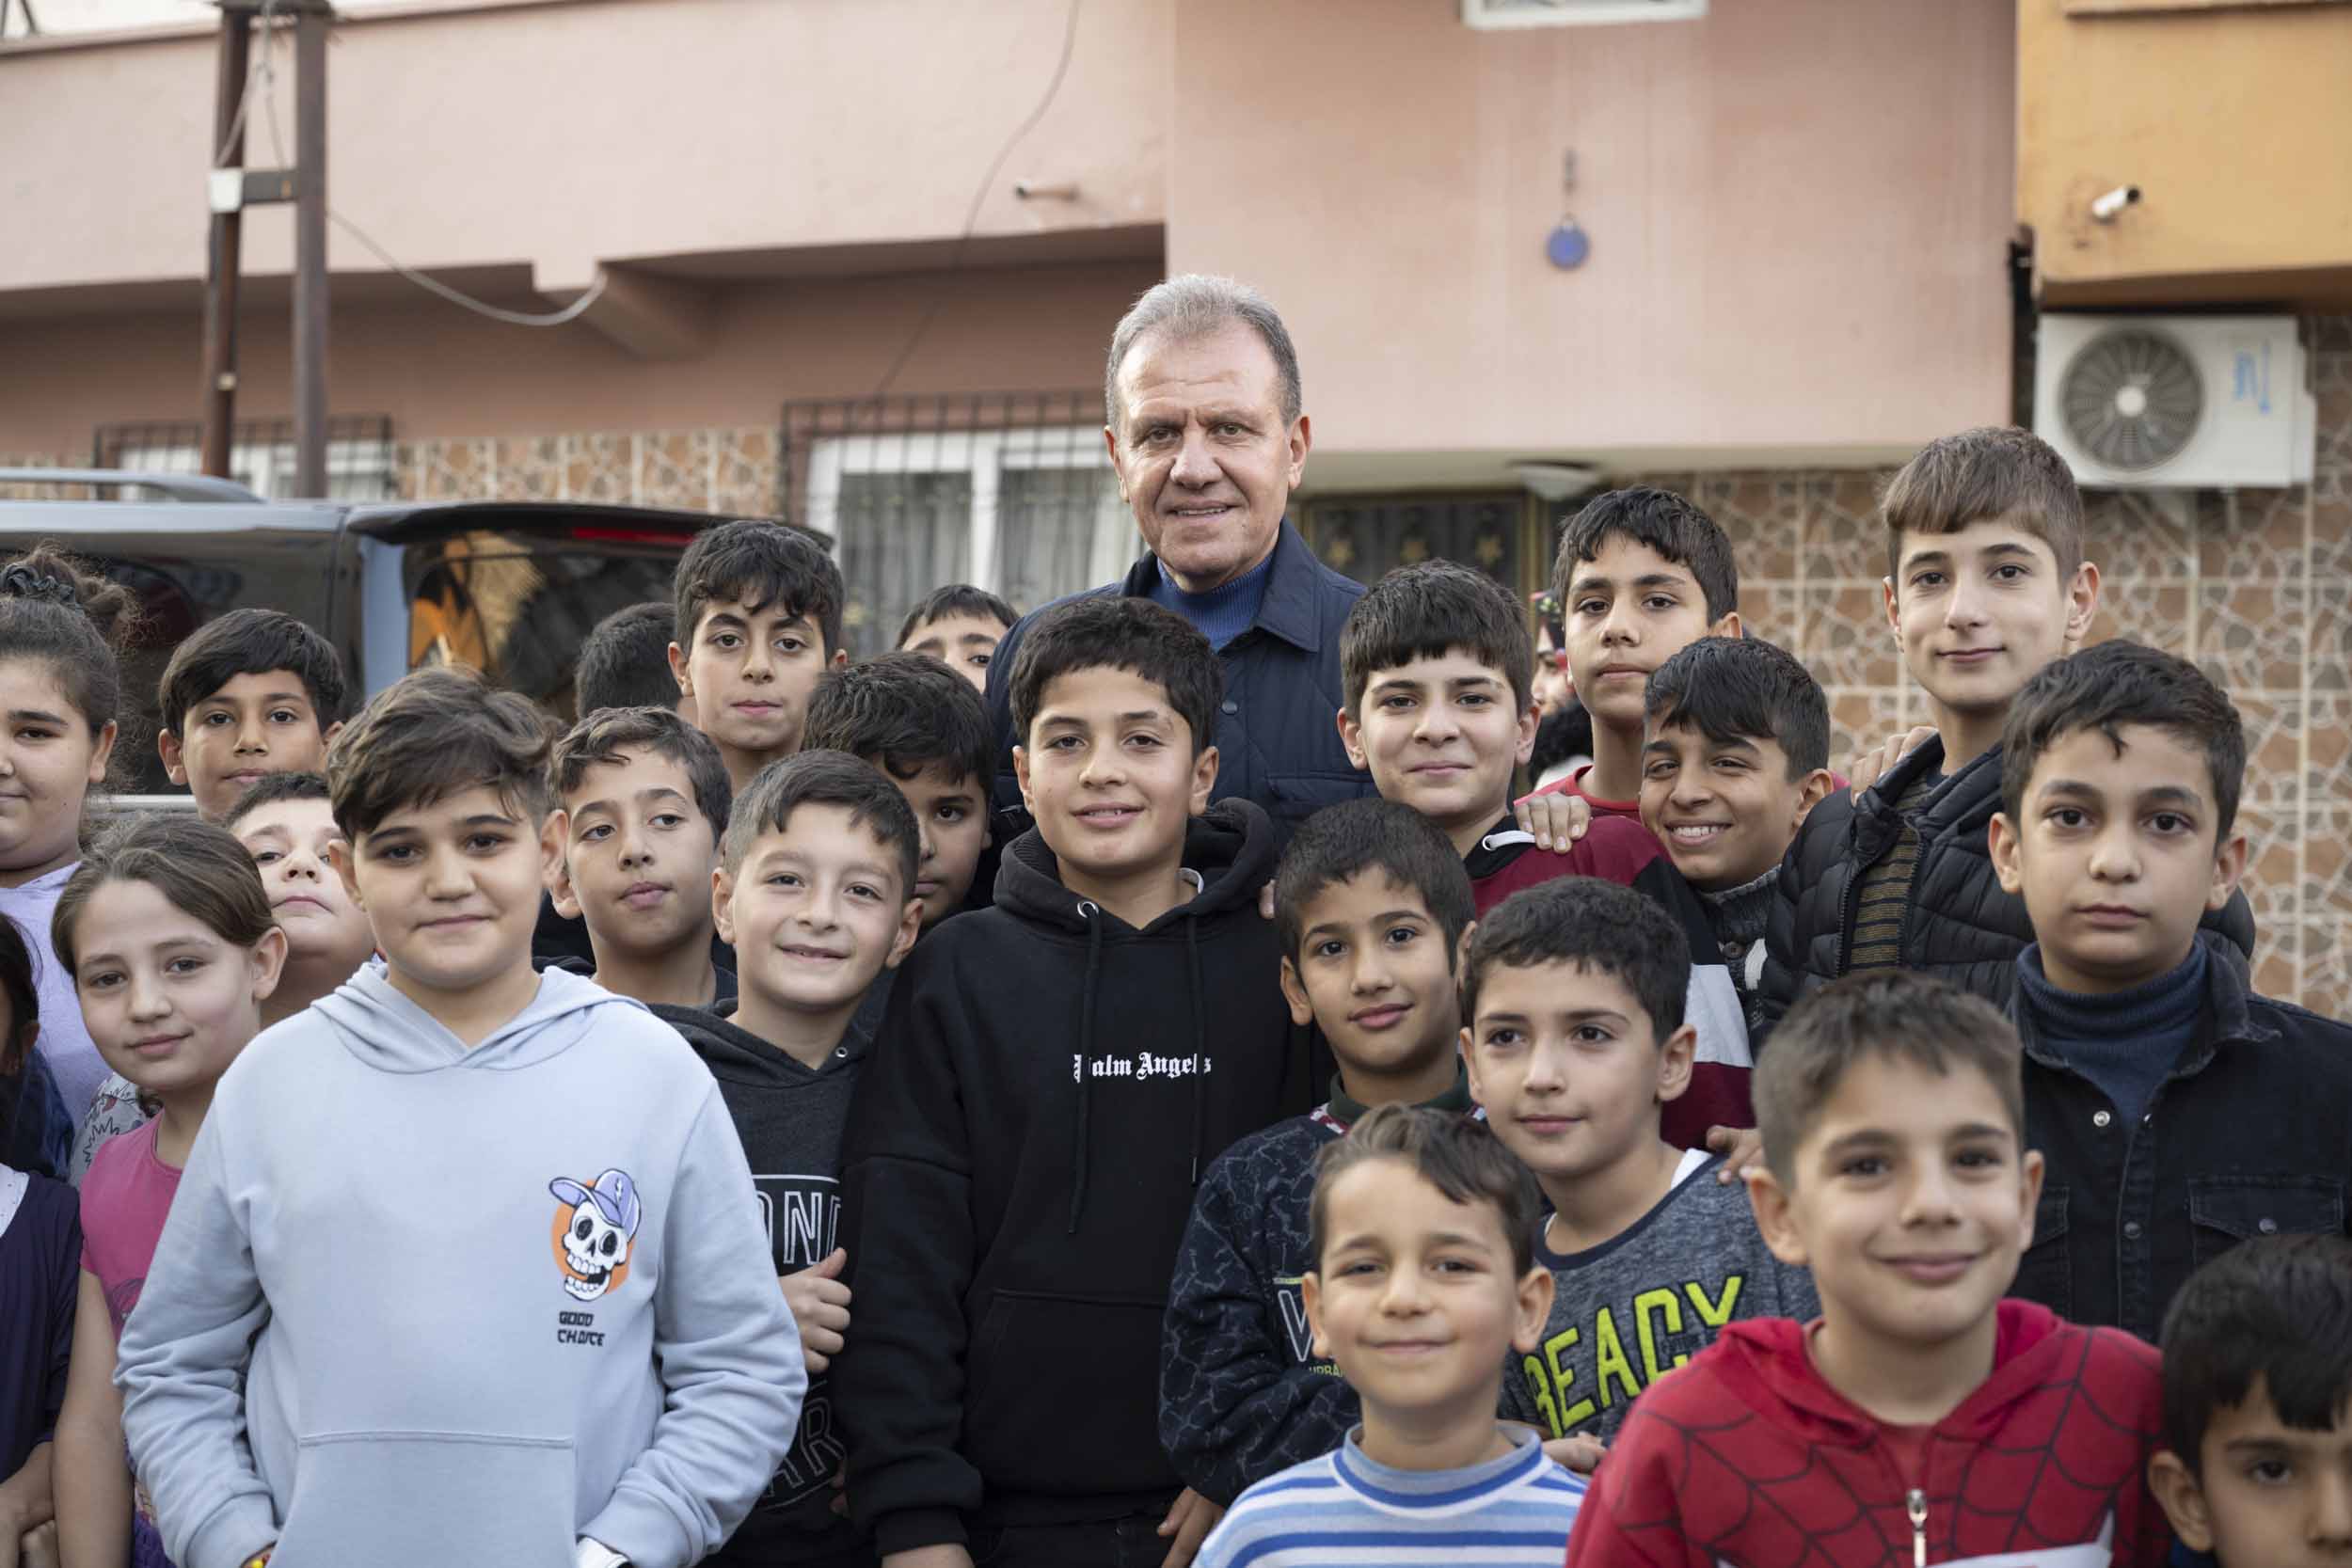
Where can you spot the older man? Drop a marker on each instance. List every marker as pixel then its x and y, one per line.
pixel 1208 437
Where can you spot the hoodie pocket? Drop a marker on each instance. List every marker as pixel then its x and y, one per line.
pixel 429 1496
pixel 1064 1394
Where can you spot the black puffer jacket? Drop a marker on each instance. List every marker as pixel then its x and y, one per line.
pixel 1958 925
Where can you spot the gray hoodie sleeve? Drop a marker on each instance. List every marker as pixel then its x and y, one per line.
pixel 731 1365
pixel 182 1366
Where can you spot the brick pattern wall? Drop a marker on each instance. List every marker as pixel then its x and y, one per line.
pixel 2256 585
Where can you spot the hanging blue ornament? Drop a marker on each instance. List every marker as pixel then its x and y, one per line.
pixel 1568 245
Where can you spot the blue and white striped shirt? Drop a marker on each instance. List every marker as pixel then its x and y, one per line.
pixel 1345 1509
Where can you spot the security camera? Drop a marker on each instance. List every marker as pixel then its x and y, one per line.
pixel 2107 209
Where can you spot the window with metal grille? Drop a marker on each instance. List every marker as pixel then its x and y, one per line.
pixel 260 453
pixel 1010 491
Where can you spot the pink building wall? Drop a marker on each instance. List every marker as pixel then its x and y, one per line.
pixel 1799 215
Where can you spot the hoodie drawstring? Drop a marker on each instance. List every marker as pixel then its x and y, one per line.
pixel 1092 916
pixel 1199 1045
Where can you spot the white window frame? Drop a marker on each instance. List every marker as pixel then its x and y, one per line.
pixel 984 456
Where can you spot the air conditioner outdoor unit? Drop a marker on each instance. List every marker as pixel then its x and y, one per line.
pixel 1485 14
pixel 2175 401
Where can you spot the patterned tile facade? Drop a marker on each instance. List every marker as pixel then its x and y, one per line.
pixel 2255 585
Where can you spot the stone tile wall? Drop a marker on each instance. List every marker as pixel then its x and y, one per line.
pixel 2255 585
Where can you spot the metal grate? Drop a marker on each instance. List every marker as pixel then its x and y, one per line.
pixel 1012 491
pixel 1367 536
pixel 359 454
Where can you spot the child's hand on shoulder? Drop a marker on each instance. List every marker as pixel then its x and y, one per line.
pixel 821 1308
pixel 1743 1148
pixel 1581 1454
pixel 1556 820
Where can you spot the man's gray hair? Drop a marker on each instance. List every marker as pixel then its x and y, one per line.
pixel 1194 305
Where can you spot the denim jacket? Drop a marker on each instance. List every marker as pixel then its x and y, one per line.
pixel 1277 738
pixel 2249 1135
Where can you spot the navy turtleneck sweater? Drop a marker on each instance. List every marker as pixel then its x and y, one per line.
pixel 2125 1042
pixel 1225 611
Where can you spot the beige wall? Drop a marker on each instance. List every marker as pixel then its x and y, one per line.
pixel 1798 209
pixel 2236 125
pixel 563 135
pixel 438 372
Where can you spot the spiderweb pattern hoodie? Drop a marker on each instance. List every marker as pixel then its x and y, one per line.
pixel 1018 1169
pixel 1748 1456
pixel 421 1304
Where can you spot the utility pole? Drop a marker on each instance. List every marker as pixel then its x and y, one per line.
pixel 233 189
pixel 309 290
pixel 224 250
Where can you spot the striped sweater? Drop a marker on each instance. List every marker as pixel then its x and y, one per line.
pixel 1345 1509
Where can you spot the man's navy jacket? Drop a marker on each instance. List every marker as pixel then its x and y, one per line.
pixel 1277 738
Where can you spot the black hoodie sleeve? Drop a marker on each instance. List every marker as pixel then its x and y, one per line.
pixel 906 1220
pixel 1235 1404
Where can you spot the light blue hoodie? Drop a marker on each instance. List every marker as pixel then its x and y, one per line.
pixel 495 1299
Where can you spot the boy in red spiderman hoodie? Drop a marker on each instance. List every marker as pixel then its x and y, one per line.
pixel 1921 1419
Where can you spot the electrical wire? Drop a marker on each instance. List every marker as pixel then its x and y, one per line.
pixel 263 75
pixel 432 285
pixel 979 199
pixel 244 99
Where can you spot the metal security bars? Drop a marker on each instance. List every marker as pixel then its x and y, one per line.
pixel 1012 491
pixel 359 454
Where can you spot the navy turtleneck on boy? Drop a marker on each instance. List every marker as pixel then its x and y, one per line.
pixel 1225 611
pixel 2125 1042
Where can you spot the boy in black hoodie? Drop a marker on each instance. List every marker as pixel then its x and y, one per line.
pixel 1063 1067
pixel 815 887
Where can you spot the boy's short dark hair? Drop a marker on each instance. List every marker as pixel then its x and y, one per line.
pixel 1743 688
pixel 2276 1307
pixel 597 739
pixel 270 788
pixel 2110 686
pixel 251 642
pixel 433 733
pixel 1458 1156
pixel 1114 631
pixel 904 711
pixel 1427 611
pixel 1599 926
pixel 625 662
pixel 1895 1015
pixel 956 598
pixel 825 778
pixel 1342 841
pixel 1667 523
pixel 758 562
pixel 1979 476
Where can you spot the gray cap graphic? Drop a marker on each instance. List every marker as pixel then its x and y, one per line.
pixel 614 1196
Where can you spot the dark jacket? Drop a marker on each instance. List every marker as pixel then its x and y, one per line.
pixel 1017 1174
pixel 1277 738
pixel 2250 1135
pixel 789 1117
pixel 1958 925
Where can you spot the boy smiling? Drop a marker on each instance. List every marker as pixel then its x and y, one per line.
pixel 1922 1417
pixel 1573 1031
pixel 252 693
pixel 1371 902
pixel 1063 1067
pixel 517 1404
pixel 1421 1285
